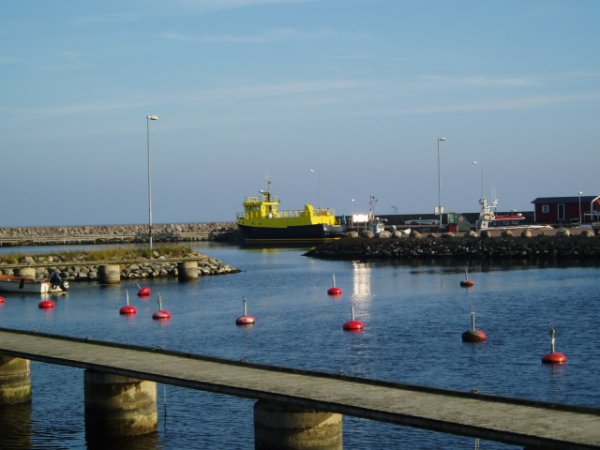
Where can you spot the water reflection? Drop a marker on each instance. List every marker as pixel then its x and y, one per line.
pixel 16 426
pixel 361 282
pixel 150 441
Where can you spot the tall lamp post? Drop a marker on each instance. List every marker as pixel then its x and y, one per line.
pixel 440 209
pixel 580 192
pixel 318 184
pixel 480 164
pixel 148 119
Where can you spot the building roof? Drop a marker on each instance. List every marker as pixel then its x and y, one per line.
pixel 573 199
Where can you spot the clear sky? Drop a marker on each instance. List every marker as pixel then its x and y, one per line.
pixel 357 90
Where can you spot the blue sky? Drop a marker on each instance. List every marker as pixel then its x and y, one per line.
pixel 358 90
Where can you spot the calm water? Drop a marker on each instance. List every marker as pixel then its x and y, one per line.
pixel 414 315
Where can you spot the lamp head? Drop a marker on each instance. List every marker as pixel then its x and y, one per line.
pixel 152 117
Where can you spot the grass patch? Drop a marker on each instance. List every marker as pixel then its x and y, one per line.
pixel 110 254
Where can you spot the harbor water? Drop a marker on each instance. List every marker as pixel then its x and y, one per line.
pixel 415 314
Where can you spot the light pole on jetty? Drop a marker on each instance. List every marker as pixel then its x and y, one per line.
pixel 440 208
pixel 318 184
pixel 580 192
pixel 148 119
pixel 480 164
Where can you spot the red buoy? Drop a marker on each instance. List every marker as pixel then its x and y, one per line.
pixel 128 310
pixel 2 300
pixel 144 291
pixel 554 357
pixel 354 325
pixel 335 291
pixel 46 304
pixel 474 335
pixel 467 282
pixel 161 314
pixel 245 319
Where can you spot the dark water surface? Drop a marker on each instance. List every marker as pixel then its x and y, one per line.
pixel 414 315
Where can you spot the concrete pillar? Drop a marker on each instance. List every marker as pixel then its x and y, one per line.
pixel 187 270
pixel 282 427
pixel 27 272
pixel 118 406
pixel 109 274
pixel 15 380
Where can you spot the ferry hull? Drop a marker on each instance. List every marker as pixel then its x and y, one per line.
pixel 314 232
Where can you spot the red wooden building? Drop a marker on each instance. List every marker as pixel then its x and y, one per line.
pixel 564 210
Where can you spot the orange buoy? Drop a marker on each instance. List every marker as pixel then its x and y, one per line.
pixel 245 319
pixel 354 325
pixel 474 335
pixel 335 291
pixel 46 304
pixel 128 310
pixel 554 357
pixel 467 282
pixel 161 314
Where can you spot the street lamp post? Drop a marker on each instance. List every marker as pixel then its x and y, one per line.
pixel 440 139
pixel 480 164
pixel 318 184
pixel 148 119
pixel 580 192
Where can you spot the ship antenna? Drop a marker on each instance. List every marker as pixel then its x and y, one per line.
pixel 268 181
pixel 267 193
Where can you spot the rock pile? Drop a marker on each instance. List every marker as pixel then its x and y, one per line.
pixel 564 247
pixel 115 233
pixel 78 270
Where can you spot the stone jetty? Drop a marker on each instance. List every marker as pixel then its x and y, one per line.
pixel 74 266
pixel 114 234
pixel 562 246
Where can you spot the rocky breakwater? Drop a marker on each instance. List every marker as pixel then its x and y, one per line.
pixel 102 234
pixel 560 246
pixel 85 266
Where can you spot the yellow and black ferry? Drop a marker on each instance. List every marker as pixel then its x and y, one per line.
pixel 263 221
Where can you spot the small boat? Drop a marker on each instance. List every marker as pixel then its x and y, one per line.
pixel 489 220
pixel 263 221
pixel 21 285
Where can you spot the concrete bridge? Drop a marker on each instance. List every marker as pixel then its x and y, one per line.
pixel 296 408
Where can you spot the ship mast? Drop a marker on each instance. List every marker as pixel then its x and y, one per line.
pixel 267 192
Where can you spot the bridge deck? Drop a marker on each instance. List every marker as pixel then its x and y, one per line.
pixel 514 421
